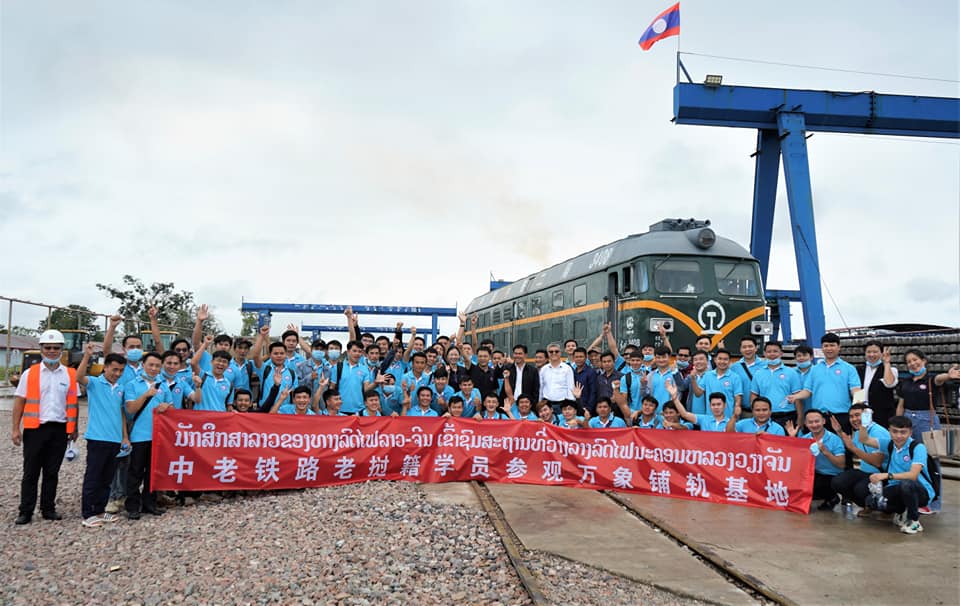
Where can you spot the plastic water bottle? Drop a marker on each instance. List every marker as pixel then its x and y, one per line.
pixel 71 453
pixel 848 510
pixel 124 450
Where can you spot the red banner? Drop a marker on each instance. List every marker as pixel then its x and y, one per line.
pixel 234 451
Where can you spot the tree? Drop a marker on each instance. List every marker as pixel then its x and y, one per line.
pixel 20 331
pixel 77 317
pixel 176 309
pixel 249 327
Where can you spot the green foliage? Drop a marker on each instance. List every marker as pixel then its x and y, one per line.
pixel 176 310
pixel 77 317
pixel 249 327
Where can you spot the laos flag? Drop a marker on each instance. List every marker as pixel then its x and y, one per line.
pixel 665 25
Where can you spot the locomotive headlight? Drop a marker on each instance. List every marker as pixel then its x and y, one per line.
pixel 706 238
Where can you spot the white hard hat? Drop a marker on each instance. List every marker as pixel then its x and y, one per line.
pixel 51 337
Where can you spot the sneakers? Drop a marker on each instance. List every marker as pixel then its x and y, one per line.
pixel 93 522
pixel 877 502
pixel 114 506
pixel 109 517
pixel 927 511
pixel 911 528
pixel 899 519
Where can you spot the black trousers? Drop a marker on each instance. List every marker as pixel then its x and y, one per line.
pixel 822 488
pixel 101 465
pixel 781 418
pixel 139 499
pixel 43 450
pixel 853 485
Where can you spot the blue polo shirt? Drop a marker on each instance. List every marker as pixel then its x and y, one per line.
pixel 635 392
pixel 657 386
pixel 390 403
pixel 241 374
pixel 681 421
pixel 215 393
pixel 366 413
pixel 653 423
pixel 497 416
pixel 900 461
pixel 142 430
pixel 290 409
pixel 708 423
pixel 834 444
pixel 876 432
pixel 130 373
pixel 775 384
pixel 517 416
pixel 695 404
pixel 730 384
pixel 416 411
pixel 350 385
pixel 413 382
pixel 104 407
pixel 612 422
pixel 562 422
pixel 830 385
pixel 740 367
pixel 446 394
pixel 287 382
pixel 179 389
pixel 751 426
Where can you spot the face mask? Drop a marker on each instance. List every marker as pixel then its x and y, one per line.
pixel 389 389
pixel 51 361
pixel 804 364
pixel 874 364
pixel 333 354
pixel 773 363
pixel 647 357
pixel 917 373
pixel 319 355
pixel 134 355
pixel 167 375
pixel 681 364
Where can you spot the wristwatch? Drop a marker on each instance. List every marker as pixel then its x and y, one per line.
pixel 889 476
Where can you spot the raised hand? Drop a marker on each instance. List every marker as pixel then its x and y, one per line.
pixel 265 331
pixel 671 388
pixel 886 355
pixel 475 319
pixel 278 376
pixel 293 327
pixel 115 320
pixel 88 349
pixel 615 385
pixel 197 381
pixel 577 390
pixel 954 372
pixel 606 328
pixel 152 312
pixel 737 411
pixel 462 316
pixel 208 340
pixel 506 373
pixel 348 312
pixel 791 429
pixel 203 313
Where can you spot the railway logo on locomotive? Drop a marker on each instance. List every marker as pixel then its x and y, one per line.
pixel 711 316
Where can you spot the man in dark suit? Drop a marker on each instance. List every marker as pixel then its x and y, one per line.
pixel 529 377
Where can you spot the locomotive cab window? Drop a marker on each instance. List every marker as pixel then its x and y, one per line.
pixel 627 280
pixel 641 281
pixel 558 299
pixel 496 316
pixel 535 307
pixel 508 313
pixel 521 309
pixel 579 295
pixel 676 276
pixel 737 279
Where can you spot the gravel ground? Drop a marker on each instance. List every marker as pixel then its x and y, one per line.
pixel 372 543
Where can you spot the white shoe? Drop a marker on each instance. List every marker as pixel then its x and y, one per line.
pixel 109 517
pixel 114 506
pixel 911 528
pixel 899 519
pixel 93 522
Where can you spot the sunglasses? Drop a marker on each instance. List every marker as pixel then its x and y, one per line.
pixel 553 351
pixel 52 348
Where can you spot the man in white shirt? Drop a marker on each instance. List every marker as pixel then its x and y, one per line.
pixel 556 380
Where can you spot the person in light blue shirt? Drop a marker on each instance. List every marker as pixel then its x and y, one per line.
pixel 301 403
pixel 909 485
pixel 569 418
pixel 470 396
pixel 355 379
pixel 760 422
pixel 775 382
pixel 605 419
pixel 442 392
pixel 828 449
pixel 717 420
pixel 142 397
pixel 632 386
pixel 205 357
pixel 670 418
pixel 372 406
pixel 853 484
pixel 697 404
pixel 522 409
pixel 647 417
pixel 182 392
pixel 721 379
pixel 275 377
pixel 423 408
pixel 830 385
pixel 492 409
pixel 106 431
pixel 241 369
pixel 747 366
pixel 216 389
pixel 661 376
pixel 391 395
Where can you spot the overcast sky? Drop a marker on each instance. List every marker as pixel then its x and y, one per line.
pixel 396 153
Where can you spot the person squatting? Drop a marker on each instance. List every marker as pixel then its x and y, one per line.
pixel 690 389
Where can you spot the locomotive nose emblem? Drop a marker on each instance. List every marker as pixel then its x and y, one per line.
pixel 711 317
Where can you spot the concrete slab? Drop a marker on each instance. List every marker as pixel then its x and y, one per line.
pixel 823 558
pixel 452 493
pixel 588 527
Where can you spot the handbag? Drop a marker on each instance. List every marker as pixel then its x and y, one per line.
pixel 935 439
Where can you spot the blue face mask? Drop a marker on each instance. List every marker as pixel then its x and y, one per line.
pixel 389 389
pixel 167 375
pixel 647 357
pixel 134 355
pixel 773 363
pixel 917 373
pixel 874 364
pixel 319 355
pixel 804 364
pixel 333 354
pixel 51 361
pixel 681 364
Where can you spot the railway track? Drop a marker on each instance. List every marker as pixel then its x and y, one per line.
pixel 516 551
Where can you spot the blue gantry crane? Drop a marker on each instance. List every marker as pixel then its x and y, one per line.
pixel 782 118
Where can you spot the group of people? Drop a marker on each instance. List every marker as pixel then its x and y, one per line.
pixel 869 412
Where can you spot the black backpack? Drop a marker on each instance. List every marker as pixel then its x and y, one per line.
pixel 931 472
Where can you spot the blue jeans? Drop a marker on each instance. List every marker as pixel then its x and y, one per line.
pixel 921 423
